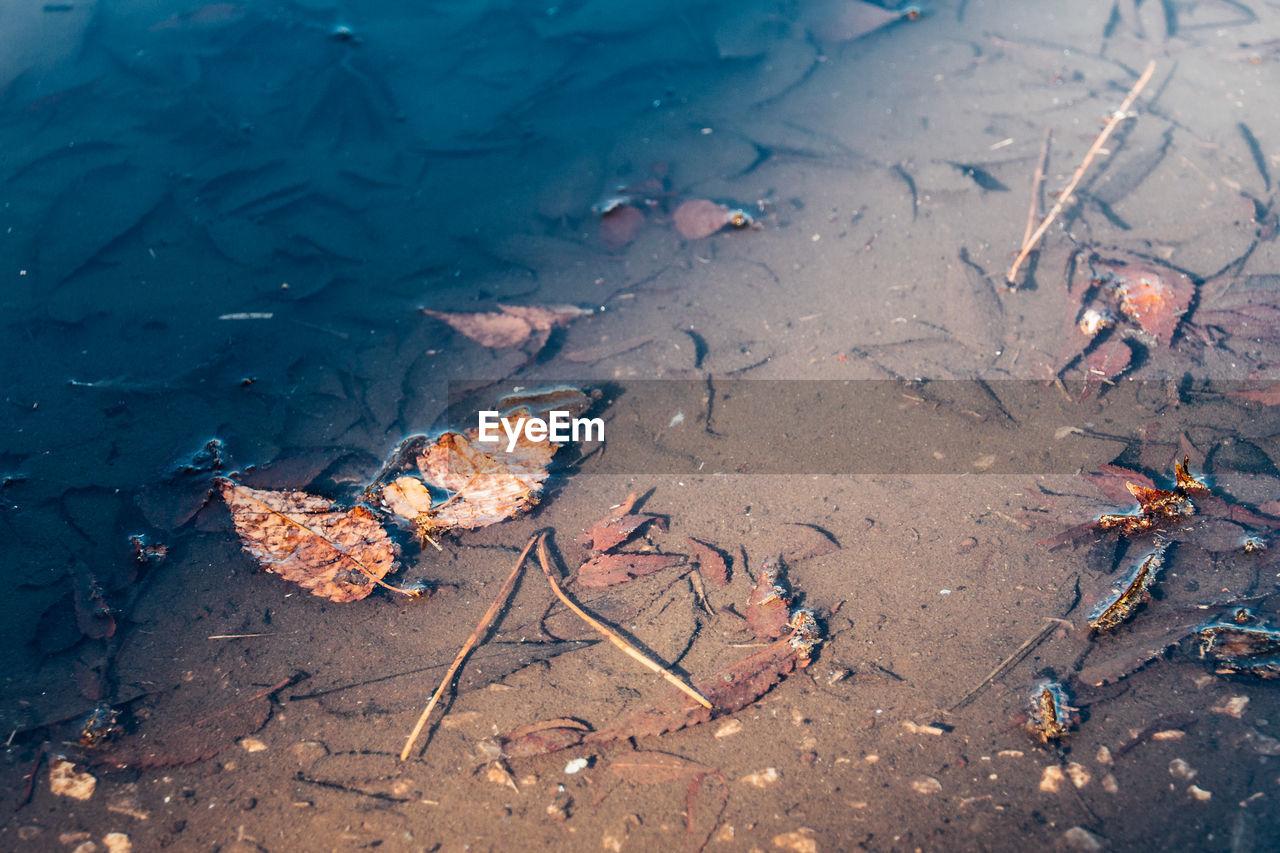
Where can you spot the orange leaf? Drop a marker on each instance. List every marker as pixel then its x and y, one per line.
pixel 488 483
pixel 510 325
pixel 336 554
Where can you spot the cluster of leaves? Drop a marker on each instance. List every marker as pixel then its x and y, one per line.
pixel 341 553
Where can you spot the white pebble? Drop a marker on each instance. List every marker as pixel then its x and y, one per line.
pixel 577 765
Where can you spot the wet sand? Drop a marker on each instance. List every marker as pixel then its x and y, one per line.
pixel 161 173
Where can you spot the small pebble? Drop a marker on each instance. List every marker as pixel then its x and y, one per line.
pixel 1199 793
pixel 926 785
pixel 1181 770
pixel 1079 838
pixel 577 765
pixel 799 841
pixel 252 744
pixel 1109 784
pixel 1169 734
pixel 729 728
pixel 117 842
pixel 1078 775
pixel 1104 756
pixel 761 778
pixel 1052 778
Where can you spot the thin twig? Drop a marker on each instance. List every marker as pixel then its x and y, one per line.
pixel 1037 180
pixel 1018 654
pixel 481 628
pixel 610 635
pixel 1112 122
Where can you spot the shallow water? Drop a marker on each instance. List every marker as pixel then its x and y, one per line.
pixel 221 221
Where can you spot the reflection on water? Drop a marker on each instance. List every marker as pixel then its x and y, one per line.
pixel 220 222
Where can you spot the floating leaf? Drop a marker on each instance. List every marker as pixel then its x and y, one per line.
pixel 510 325
pixel 1157 508
pixel 488 484
pixel 337 554
pixel 612 569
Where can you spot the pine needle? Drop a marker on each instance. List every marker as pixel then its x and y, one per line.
pixel 485 622
pixel 612 637
pixel 1112 122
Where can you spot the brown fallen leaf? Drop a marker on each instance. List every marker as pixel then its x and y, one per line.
pixel 510 325
pixel 545 736
pixel 487 483
pixel 729 690
pixel 336 554
pixel 700 217
pixel 611 532
pixel 769 607
pixel 619 226
pixel 1154 299
pixel 711 561
pixel 612 569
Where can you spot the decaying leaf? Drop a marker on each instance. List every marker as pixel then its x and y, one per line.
pixel 1157 508
pixel 1154 299
pixel 510 325
pixel 617 530
pixel 1246 649
pixel 700 217
pixel 337 554
pixel 486 483
pixel 1050 716
pixel 711 562
pixel 543 737
pixel 729 690
pixel 769 607
pixel 1135 590
pixel 620 225
pixel 610 569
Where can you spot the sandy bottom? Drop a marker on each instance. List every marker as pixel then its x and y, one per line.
pixel 220 223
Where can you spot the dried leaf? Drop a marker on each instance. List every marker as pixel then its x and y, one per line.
pixel 650 767
pixel 543 737
pixel 1128 597
pixel 611 532
pixel 711 562
pixel 510 325
pixel 611 569
pixel 769 607
pixel 334 553
pixel 1155 300
pixel 487 484
pixel 699 217
pixel 620 225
